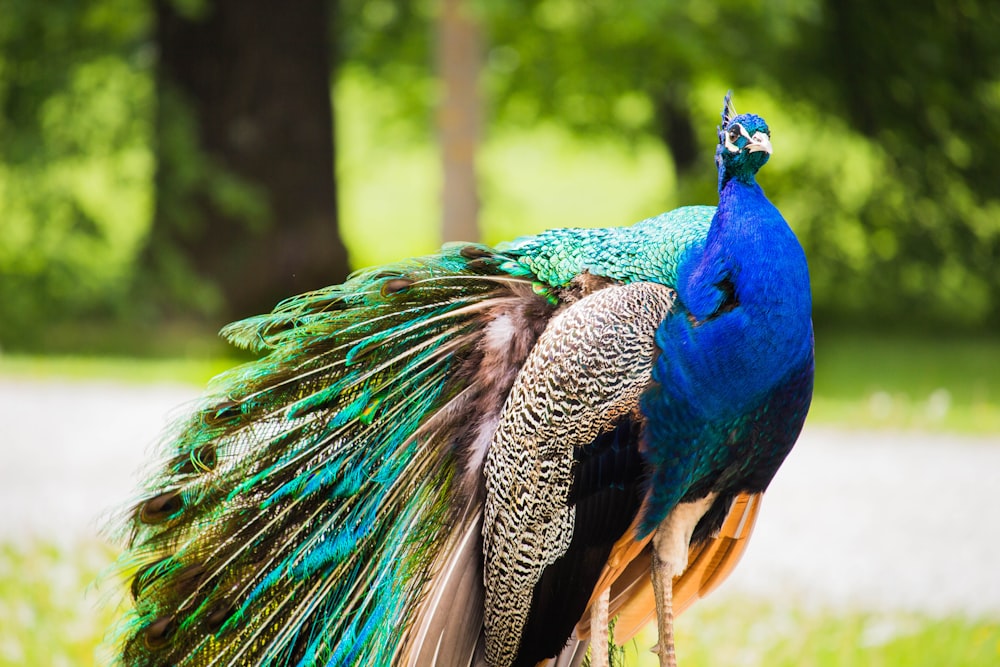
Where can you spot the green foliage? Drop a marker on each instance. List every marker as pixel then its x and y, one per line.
pixel 387 176
pixel 886 122
pixel 606 66
pixel 532 178
pixel 76 160
pixel 392 40
pixel 921 84
pixel 51 612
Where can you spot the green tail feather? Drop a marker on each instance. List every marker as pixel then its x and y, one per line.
pixel 301 505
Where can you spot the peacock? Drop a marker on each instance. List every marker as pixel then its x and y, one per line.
pixel 488 455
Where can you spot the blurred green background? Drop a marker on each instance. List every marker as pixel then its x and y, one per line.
pixel 886 124
pixel 169 165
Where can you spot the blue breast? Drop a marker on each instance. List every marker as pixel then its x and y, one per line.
pixel 742 330
pixel 723 358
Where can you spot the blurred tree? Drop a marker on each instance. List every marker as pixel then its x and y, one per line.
pixel 624 68
pixel 75 161
pixel 459 65
pixel 886 123
pixel 920 80
pixel 432 53
pixel 244 188
pixel 895 186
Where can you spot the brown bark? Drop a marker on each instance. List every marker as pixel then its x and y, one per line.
pixel 459 119
pixel 673 122
pixel 254 75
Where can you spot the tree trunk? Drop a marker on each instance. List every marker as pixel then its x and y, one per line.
pixel 674 125
pixel 459 119
pixel 251 205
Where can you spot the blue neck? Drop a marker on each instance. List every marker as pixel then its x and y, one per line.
pixel 745 318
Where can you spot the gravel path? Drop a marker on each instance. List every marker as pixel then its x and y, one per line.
pixel 873 520
pixel 70 451
pixel 881 521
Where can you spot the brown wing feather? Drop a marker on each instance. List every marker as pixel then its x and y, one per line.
pixel 709 563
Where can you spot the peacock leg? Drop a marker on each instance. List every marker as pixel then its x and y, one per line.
pixel 663 583
pixel 599 630
pixel 670 558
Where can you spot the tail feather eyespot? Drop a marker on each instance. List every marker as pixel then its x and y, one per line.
pixel 473 252
pixel 204 459
pixel 161 507
pixel 218 614
pixel 395 285
pixel 159 632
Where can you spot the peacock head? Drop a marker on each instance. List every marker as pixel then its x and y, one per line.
pixel 744 144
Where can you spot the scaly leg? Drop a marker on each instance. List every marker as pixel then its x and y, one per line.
pixel 670 558
pixel 663 585
pixel 599 630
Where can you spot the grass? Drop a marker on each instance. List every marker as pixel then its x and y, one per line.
pixel 195 371
pixel 749 633
pixel 52 614
pixel 907 382
pixel 50 611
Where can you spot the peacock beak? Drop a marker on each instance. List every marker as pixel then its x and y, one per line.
pixel 759 142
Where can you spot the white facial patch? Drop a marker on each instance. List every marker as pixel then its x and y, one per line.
pixel 728 143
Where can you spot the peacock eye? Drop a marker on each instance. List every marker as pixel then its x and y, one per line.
pixel 734 133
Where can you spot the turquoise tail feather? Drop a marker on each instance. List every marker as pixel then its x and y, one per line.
pixel 303 505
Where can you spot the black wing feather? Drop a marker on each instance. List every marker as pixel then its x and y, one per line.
pixel 607 490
